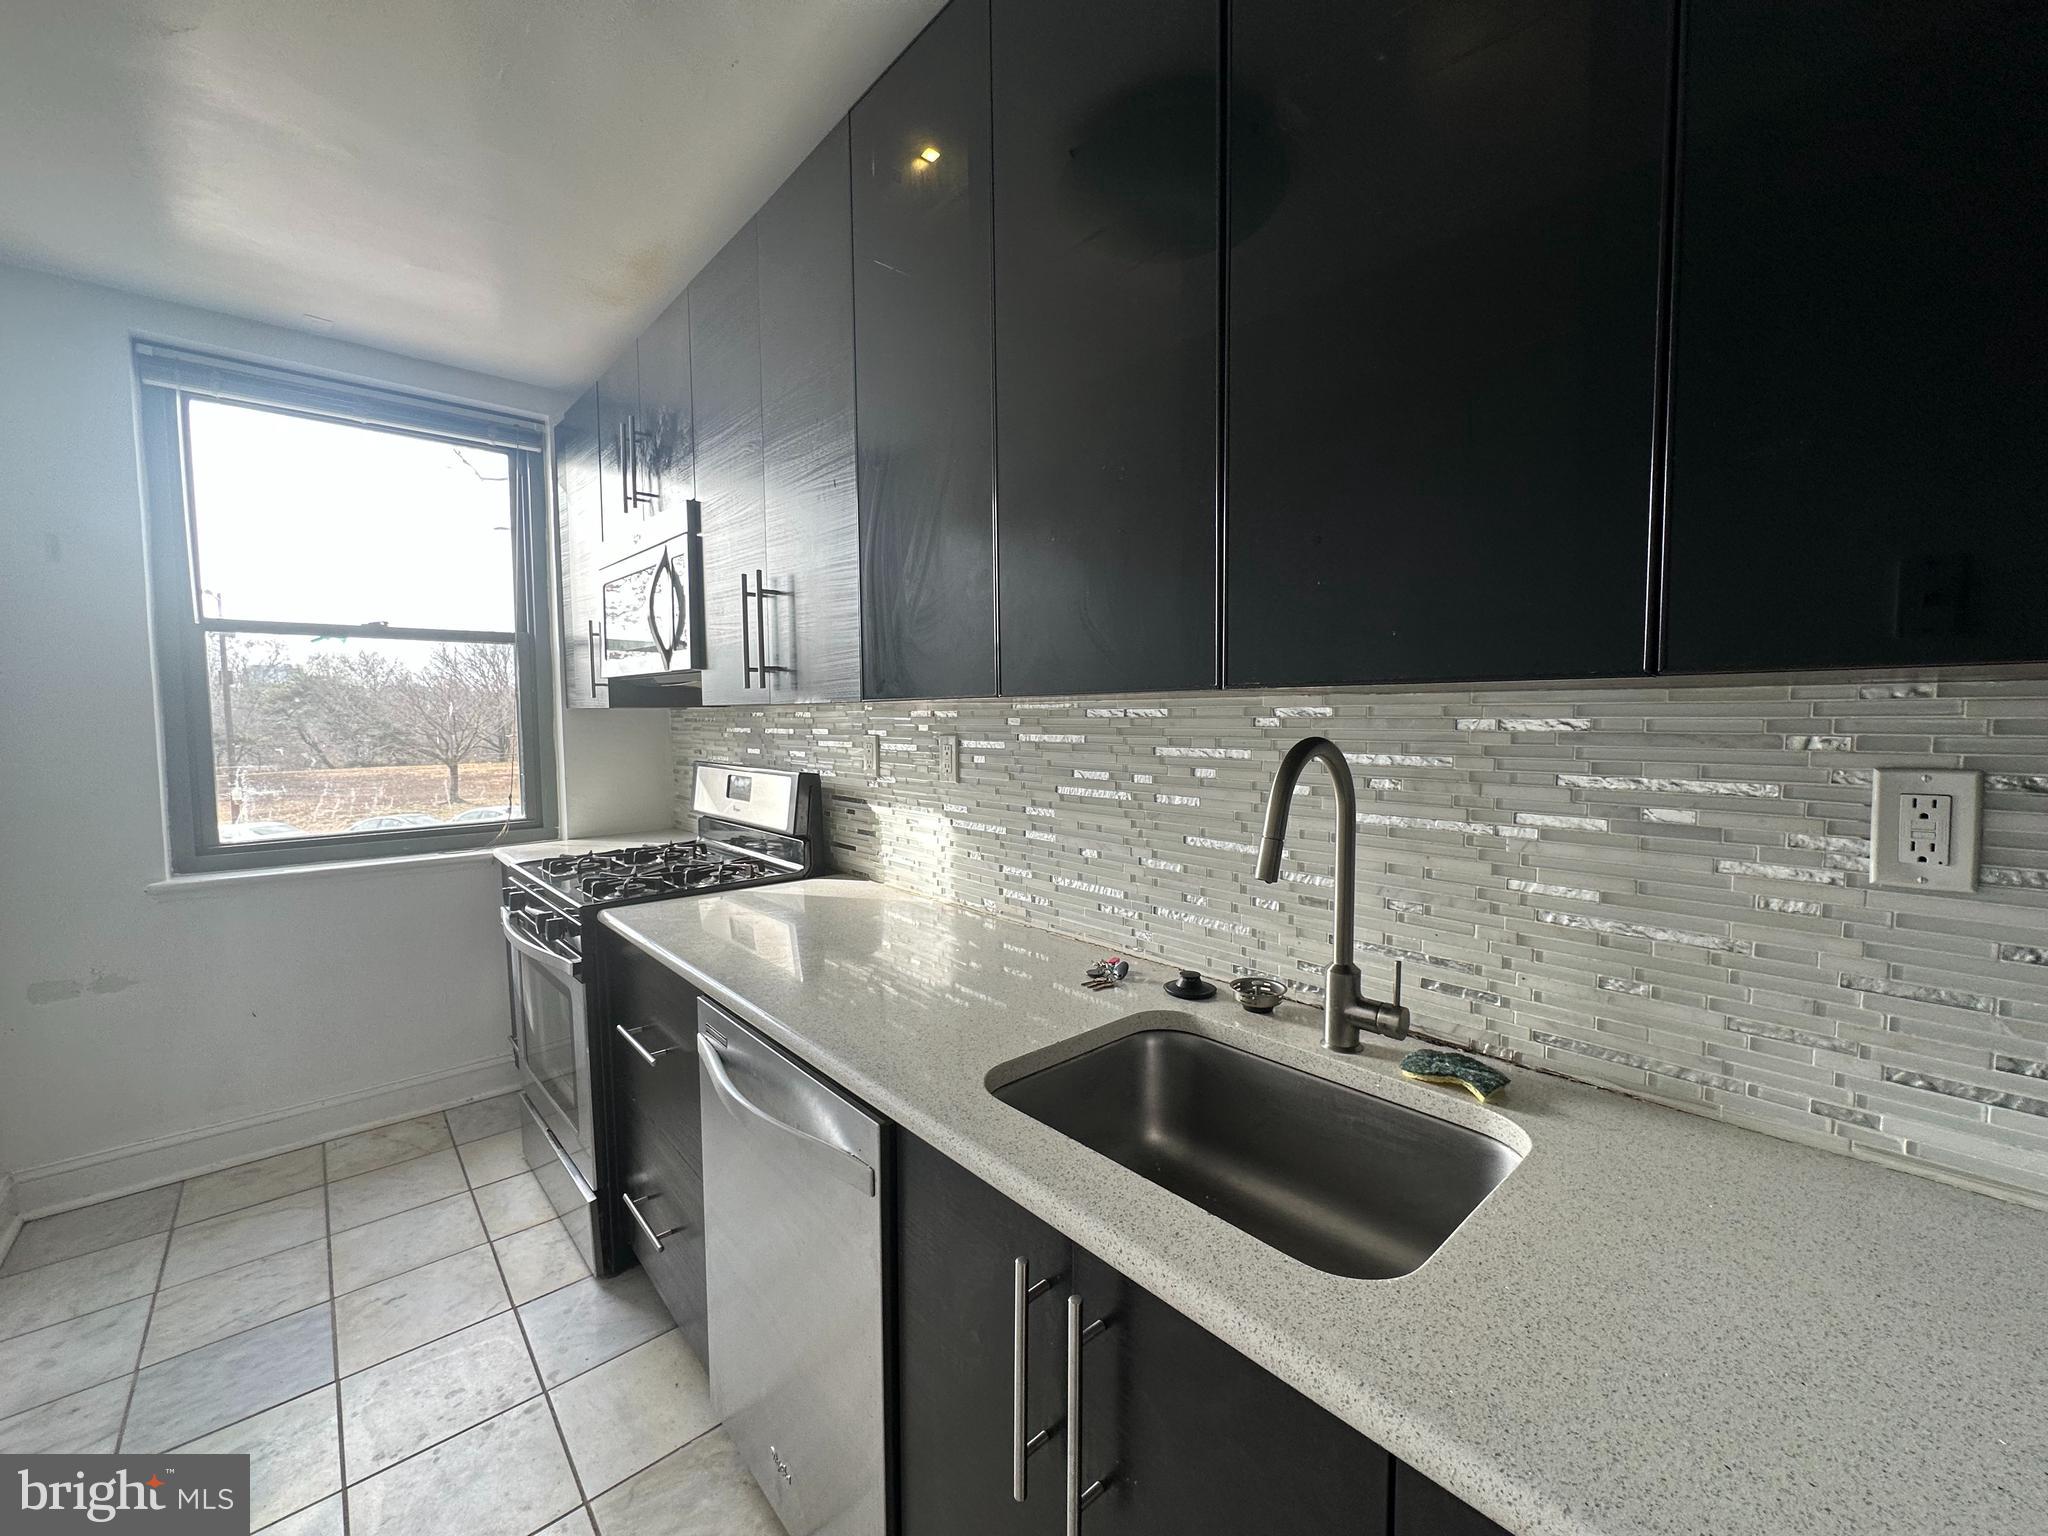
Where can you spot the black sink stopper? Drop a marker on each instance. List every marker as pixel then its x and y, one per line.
pixel 1189 985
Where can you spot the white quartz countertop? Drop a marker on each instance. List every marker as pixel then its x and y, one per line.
pixel 1656 1326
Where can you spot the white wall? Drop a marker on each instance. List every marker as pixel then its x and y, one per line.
pixel 148 1036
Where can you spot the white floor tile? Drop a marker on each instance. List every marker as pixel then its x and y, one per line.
pixel 633 1410
pixel 701 1490
pixel 220 1384
pixel 323 1519
pixel 64 1358
pixel 235 1300
pixel 493 1158
pixel 208 1247
pixel 386 1191
pixel 506 1477
pixel 439 1389
pixel 233 1189
pixel 378 1250
pixel 348 1156
pixel 538 1260
pixel 69 1288
pixel 513 1205
pixel 294 1453
pixel 407 1310
pixel 91 1228
pixel 486 1117
pixel 587 1323
pixel 85 1423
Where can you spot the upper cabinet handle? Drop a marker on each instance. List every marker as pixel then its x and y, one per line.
pixel 746 651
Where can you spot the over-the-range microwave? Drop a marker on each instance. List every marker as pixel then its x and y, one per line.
pixel 653 607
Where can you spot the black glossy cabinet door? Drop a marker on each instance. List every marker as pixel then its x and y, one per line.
pixel 1443 283
pixel 667 432
pixel 1423 1509
pixel 1189 1438
pixel 578 551
pixel 957 1244
pixel 725 366
pixel 1857 473
pixel 921 295
pixel 621 515
pixel 650 1012
pixel 1107 204
pixel 810 619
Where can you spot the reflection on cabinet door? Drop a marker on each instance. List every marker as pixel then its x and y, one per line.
pixel 725 362
pixel 921 294
pixel 1106 226
pixel 668 448
pixel 810 616
pixel 577 553
pixel 1443 280
pixel 622 512
pixel 1857 388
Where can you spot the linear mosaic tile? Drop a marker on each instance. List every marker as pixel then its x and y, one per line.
pixel 1656 888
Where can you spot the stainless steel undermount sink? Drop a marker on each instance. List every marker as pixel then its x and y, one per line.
pixel 1353 1184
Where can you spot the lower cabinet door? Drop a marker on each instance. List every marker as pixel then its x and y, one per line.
pixel 662 1214
pixel 1423 1509
pixel 1186 1437
pixel 958 1244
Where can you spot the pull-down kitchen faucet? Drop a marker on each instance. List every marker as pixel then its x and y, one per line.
pixel 1345 1005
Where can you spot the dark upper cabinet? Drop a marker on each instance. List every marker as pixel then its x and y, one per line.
pixel 1443 293
pixel 808 620
pixel 1107 202
pixel 620 514
pixel 1188 1437
pixel 725 360
pixel 1423 1509
pixel 921 295
pixel 578 551
pixel 1857 392
pixel 665 427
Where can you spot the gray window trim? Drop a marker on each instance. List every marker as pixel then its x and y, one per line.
pixel 180 631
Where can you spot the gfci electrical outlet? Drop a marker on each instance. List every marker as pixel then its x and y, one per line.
pixel 1923 828
pixel 949 759
pixel 871 755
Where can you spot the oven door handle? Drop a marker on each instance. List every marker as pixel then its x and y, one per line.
pixel 561 964
pixel 848 1168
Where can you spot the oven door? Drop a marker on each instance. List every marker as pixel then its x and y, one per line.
pixel 551 1029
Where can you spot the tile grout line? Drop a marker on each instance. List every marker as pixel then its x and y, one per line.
pixel 334 1339
pixel 519 1321
pixel 135 1373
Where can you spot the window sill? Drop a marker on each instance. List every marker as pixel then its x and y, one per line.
pixel 229 881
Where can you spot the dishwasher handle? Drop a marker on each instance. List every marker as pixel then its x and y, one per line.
pixel 846 1167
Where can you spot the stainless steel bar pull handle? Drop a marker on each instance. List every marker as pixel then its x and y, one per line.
pixel 746 651
pixel 632 1038
pixel 633 1210
pixel 1022 1293
pixel 1078 1498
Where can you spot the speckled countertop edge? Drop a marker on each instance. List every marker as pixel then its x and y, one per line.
pixel 1657 1324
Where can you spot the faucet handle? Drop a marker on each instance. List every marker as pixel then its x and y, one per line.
pixel 1397 983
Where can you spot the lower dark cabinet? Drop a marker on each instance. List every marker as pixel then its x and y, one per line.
pixel 649 1027
pixel 1423 1509
pixel 1187 1436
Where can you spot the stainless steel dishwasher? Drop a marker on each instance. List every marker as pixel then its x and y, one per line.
pixel 793 1268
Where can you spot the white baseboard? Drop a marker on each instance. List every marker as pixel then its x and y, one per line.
pixel 10 1215
pixel 122 1170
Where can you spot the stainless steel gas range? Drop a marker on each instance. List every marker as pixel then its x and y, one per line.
pixel 755 826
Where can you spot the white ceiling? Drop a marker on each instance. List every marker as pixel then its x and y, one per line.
pixel 515 186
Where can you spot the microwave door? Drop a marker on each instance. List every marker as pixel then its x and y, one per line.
pixel 631 645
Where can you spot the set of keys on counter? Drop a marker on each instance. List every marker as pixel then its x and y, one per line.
pixel 1106 973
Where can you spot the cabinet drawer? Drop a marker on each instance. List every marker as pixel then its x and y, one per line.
pixel 665 1193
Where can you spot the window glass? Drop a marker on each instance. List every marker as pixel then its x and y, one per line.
pixel 314 737
pixel 308 521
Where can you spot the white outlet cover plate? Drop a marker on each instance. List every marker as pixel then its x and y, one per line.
pixel 1889 786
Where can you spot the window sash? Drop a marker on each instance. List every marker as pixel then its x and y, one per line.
pixel 181 631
